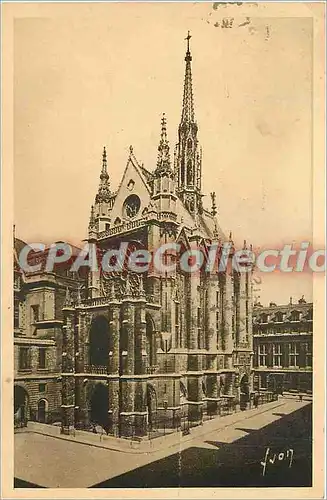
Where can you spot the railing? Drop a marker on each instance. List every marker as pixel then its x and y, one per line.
pixel 96 301
pixel 167 215
pixel 210 410
pixel 150 299
pixel 152 369
pixel 264 398
pixel 19 419
pixel 97 370
pixel 103 301
pixel 227 406
pixel 125 226
pixel 45 417
pixel 243 345
pixel 162 425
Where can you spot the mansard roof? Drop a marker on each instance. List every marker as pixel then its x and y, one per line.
pixel 273 310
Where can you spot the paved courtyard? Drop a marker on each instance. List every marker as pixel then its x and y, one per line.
pixel 205 457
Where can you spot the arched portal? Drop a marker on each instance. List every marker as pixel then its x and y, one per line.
pixel 182 393
pixel 151 402
pixel 184 421
pixel 244 392
pixel 42 408
pixel 100 405
pixel 244 385
pixel 20 403
pixel 151 346
pixel 99 341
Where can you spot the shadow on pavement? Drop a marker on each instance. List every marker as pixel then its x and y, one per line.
pixel 236 464
pixel 19 483
pixel 242 429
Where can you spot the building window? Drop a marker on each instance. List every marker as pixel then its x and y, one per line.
pixel 262 355
pixel 293 354
pixel 199 327
pixel 247 303
pixel 247 316
pixel 42 358
pixel 264 318
pixel 308 354
pixel 204 388
pixel 277 353
pixel 42 387
pixel 217 313
pixel 35 313
pixel 295 316
pixel 24 358
pixel 279 317
pixel 177 328
pixel 263 380
pixel 16 312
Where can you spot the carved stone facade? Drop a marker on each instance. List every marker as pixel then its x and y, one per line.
pixel 157 349
pixel 39 297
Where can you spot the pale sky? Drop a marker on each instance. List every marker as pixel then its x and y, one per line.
pixel 103 74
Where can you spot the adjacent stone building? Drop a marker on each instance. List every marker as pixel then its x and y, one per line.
pixel 150 350
pixel 39 297
pixel 282 336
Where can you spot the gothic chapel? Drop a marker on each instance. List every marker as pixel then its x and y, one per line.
pixel 157 351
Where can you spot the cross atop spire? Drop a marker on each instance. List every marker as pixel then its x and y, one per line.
pixel 188 38
pixel 188 158
pixel 188 106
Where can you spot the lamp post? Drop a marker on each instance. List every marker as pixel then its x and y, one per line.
pixel 165 337
pixel 165 417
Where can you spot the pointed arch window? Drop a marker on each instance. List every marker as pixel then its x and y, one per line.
pixel 177 324
pixel 182 172
pixel 150 340
pixel 99 341
pixel 189 173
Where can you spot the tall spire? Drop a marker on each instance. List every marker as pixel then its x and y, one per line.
pixel 188 105
pixel 163 162
pixel 104 186
pixel 188 157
